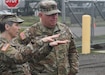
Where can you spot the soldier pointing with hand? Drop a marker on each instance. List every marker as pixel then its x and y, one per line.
pixel 14 57
pixel 63 58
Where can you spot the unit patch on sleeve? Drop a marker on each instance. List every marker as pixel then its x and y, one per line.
pixel 5 47
pixel 22 35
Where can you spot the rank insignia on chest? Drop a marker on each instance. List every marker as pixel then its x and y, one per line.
pixel 5 47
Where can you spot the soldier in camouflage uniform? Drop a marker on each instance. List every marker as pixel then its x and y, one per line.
pixel 63 58
pixel 10 57
pixel 13 56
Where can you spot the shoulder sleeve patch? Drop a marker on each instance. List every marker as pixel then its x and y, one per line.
pixel 5 47
pixel 22 35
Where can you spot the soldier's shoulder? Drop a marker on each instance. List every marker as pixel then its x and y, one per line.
pixel 2 40
pixel 62 25
pixel 4 46
pixel 14 41
pixel 36 24
pixel 59 23
pixel 1 43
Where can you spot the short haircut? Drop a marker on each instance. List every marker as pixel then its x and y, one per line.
pixel 2 25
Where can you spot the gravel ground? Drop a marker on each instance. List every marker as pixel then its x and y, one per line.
pixel 92 64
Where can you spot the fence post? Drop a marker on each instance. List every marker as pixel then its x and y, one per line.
pixel 86 25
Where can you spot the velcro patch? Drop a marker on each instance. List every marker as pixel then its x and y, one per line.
pixel 22 35
pixel 5 47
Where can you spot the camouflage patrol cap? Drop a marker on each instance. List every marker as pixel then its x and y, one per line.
pixel 10 17
pixel 49 7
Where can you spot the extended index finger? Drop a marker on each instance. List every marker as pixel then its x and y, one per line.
pixel 55 36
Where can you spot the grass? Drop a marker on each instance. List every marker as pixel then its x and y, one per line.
pixel 79 49
pixel 96 40
pixel 29 20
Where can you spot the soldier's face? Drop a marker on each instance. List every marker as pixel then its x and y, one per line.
pixel 49 20
pixel 13 30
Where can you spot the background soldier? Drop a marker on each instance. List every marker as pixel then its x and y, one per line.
pixel 12 60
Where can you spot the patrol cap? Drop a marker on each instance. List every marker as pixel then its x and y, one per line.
pixel 49 7
pixel 10 17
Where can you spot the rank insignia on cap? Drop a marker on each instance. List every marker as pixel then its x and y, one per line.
pixel 22 35
pixel 5 47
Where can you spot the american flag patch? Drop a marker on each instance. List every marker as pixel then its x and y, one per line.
pixel 5 47
pixel 22 35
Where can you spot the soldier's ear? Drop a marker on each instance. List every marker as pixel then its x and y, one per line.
pixel 7 26
pixel 40 14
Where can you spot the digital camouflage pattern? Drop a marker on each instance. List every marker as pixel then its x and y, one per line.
pixel 13 58
pixel 62 60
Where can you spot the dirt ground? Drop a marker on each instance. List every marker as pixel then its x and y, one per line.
pixel 92 64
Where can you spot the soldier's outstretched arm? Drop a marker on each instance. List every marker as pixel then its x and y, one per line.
pixel 43 51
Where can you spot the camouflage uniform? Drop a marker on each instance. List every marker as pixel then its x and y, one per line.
pixel 13 58
pixel 62 60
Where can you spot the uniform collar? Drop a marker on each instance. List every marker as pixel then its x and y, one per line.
pixel 46 30
pixel 3 39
